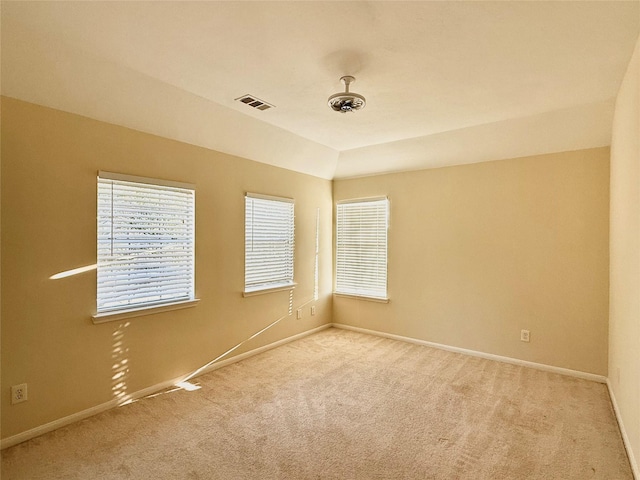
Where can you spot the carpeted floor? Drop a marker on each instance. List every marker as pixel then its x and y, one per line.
pixel 343 405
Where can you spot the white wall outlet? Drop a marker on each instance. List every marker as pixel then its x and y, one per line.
pixel 299 313
pixel 524 335
pixel 19 393
pixel 313 309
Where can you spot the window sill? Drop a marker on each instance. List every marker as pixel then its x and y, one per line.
pixel 262 291
pixel 362 297
pixel 139 312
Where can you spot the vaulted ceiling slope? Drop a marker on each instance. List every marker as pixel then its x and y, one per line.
pixel 446 82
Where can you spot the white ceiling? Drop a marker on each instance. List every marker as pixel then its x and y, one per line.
pixel 446 82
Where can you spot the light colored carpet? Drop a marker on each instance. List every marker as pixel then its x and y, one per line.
pixel 343 405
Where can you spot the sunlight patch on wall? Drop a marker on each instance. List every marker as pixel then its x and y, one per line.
pixel 235 347
pixel 74 271
pixel 316 276
pixel 291 302
pixel 120 367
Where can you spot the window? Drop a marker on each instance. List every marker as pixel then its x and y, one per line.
pixel 361 248
pixel 146 243
pixel 268 241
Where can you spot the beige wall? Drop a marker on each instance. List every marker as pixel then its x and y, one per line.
pixel 479 252
pixel 49 166
pixel 624 313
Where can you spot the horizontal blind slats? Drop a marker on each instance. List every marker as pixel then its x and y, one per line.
pixel 269 241
pixel 146 244
pixel 361 248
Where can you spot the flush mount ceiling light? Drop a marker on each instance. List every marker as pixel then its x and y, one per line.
pixel 346 101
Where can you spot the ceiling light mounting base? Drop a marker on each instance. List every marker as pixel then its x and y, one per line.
pixel 347 80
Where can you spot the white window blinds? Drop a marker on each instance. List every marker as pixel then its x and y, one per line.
pixel 361 247
pixel 269 242
pixel 146 242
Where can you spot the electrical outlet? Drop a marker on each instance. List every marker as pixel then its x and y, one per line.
pixel 19 393
pixel 524 335
pixel 313 309
pixel 299 313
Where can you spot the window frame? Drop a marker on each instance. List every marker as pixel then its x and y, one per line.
pixel 254 282
pixel 365 291
pixel 187 278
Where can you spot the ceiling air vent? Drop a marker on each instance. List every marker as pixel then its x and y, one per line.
pixel 255 102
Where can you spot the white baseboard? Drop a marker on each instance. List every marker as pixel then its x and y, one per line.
pixel 489 356
pixel 61 422
pixel 76 417
pixel 89 412
pixel 256 351
pixel 625 438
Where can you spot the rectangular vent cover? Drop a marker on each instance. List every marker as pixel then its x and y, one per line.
pixel 255 102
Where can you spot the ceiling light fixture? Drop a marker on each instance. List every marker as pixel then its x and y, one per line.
pixel 346 101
